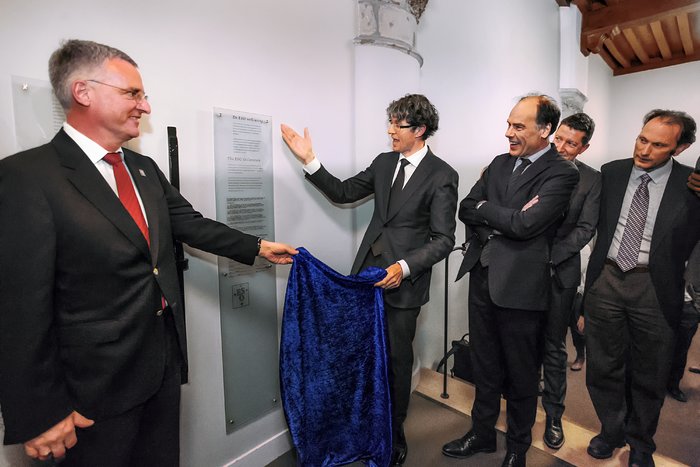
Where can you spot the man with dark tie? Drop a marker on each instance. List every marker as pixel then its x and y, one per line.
pixel 571 140
pixel 412 228
pixel 649 222
pixel 512 213
pixel 92 334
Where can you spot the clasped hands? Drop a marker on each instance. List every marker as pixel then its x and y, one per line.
pixel 56 440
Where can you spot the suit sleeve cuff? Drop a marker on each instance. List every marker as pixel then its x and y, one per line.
pixel 404 268
pixel 313 166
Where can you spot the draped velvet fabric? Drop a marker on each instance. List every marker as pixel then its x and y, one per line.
pixel 334 365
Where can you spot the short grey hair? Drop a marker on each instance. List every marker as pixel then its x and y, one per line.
pixel 75 57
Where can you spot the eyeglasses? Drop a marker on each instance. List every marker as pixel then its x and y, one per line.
pixel 396 126
pixel 134 94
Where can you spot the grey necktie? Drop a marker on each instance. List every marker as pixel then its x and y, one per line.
pixel 628 252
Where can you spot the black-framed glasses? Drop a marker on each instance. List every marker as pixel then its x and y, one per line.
pixel 134 94
pixel 396 126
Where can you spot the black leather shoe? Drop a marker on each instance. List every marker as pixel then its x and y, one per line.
pixel 398 454
pixel 601 449
pixel 513 459
pixel 640 459
pixel 467 445
pixel 677 394
pixel 553 433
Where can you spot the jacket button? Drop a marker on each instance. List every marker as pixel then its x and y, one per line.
pixel 159 313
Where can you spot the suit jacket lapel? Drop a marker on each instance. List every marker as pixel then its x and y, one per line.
pixel 615 196
pixel 670 208
pixel 531 172
pixel 417 179
pixel 81 172
pixel 384 180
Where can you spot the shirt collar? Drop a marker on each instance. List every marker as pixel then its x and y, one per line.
pixel 94 151
pixel 538 154
pixel 658 175
pixel 415 158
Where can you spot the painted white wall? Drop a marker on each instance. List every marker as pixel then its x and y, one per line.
pixel 290 60
pixel 478 61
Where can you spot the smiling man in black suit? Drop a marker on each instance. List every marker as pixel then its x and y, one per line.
pixel 513 212
pixel 571 140
pixel 92 334
pixel 412 228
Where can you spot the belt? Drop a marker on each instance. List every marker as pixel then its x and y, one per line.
pixel 612 262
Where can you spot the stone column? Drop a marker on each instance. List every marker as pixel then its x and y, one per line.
pixel 387 67
pixel 573 66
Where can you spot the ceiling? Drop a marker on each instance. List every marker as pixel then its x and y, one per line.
pixel 638 35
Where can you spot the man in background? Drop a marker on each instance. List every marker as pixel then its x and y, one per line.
pixel 571 140
pixel 649 222
pixel 92 334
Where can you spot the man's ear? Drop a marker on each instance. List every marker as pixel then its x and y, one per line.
pixel 546 132
pixel 80 92
pixel 419 131
pixel 583 149
pixel 680 148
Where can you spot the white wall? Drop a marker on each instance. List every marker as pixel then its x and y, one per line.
pixel 290 60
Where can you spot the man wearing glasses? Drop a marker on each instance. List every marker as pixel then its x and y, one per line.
pixel 412 228
pixel 92 343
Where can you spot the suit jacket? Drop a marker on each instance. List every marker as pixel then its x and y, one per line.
pixel 421 228
pixel 676 231
pixel 578 227
pixel 519 264
pixel 80 287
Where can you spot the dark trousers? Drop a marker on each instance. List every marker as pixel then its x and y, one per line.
pixel 554 362
pixel 148 434
pixel 684 337
pixel 506 348
pixel 629 345
pixel 401 327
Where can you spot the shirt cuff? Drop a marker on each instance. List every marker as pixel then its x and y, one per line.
pixel 480 203
pixel 404 268
pixel 312 166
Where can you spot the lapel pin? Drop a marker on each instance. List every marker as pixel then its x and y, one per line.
pixel 143 174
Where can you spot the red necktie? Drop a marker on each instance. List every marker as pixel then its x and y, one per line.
pixel 127 194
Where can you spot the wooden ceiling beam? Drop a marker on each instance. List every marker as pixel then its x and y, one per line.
pixel 653 64
pixel 610 45
pixel 686 36
pixel 661 41
pixel 636 45
pixel 630 13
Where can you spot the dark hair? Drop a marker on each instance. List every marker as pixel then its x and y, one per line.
pixel 547 111
pixel 75 58
pixel 580 122
pixel 676 117
pixel 417 110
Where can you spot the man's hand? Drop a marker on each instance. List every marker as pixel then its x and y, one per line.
pixel 531 203
pixel 55 441
pixel 278 253
pixel 300 146
pixel 394 276
pixel 694 182
pixel 581 325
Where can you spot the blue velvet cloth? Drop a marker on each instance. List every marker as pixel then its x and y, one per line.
pixel 334 370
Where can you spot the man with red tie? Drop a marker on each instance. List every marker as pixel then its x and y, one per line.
pixel 92 346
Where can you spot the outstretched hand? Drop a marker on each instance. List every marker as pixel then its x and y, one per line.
pixel 278 253
pixel 56 440
pixel 299 145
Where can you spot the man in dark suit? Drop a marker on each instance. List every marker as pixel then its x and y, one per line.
pixel 571 140
pixel 92 347
pixel 649 222
pixel 512 212
pixel 412 228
